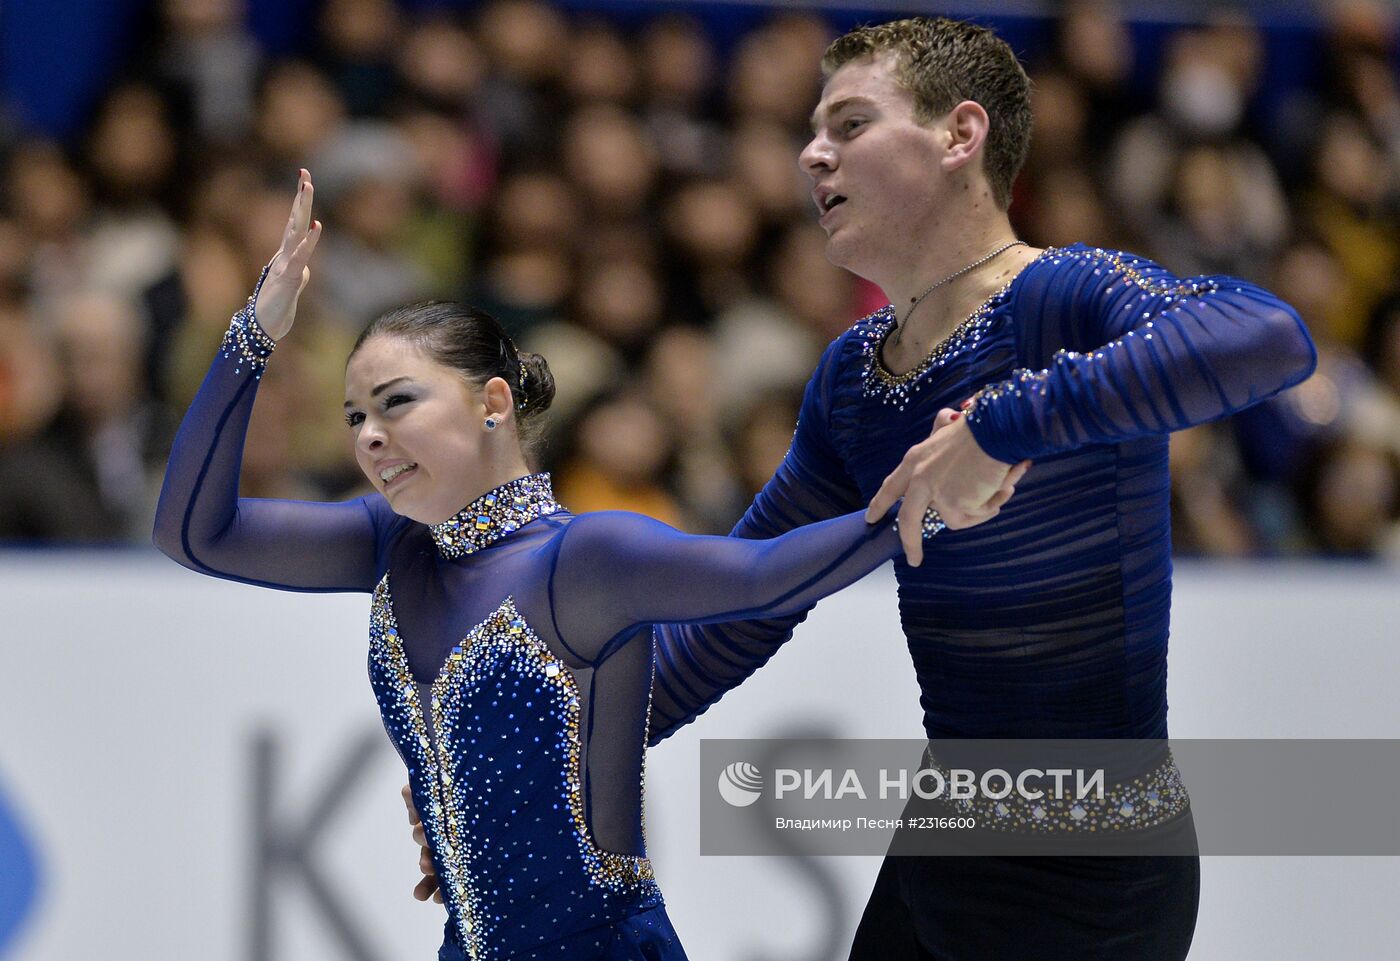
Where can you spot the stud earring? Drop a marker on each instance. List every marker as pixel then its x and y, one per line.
pixel 490 423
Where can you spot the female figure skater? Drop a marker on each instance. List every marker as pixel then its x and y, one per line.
pixel 510 641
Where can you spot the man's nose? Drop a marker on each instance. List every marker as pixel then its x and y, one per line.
pixel 817 156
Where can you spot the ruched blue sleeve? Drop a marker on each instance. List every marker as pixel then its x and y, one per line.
pixel 697 663
pixel 616 570
pixel 202 523
pixel 1140 352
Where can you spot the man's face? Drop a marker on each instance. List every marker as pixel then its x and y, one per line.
pixel 867 147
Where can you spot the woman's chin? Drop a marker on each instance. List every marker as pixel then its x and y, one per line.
pixel 415 509
pixel 402 503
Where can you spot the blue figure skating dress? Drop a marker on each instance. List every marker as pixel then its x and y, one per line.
pixel 511 654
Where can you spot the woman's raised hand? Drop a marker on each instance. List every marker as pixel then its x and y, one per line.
pixel 277 301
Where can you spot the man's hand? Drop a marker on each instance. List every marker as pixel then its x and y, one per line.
pixel 428 887
pixel 950 473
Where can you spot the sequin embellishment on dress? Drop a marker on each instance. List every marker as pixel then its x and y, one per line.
pixel 245 339
pixel 473 765
pixel 495 514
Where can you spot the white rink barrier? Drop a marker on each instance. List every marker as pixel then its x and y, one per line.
pixel 166 738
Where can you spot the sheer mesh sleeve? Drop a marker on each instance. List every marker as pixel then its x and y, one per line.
pixel 697 663
pixel 617 570
pixel 1164 354
pixel 202 523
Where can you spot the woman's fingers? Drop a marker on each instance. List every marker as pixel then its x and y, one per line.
pixel 299 220
pixel 302 207
pixel 289 271
pixel 944 418
pixel 301 255
pixel 419 835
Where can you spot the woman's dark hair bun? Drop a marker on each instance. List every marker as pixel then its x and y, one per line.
pixel 538 387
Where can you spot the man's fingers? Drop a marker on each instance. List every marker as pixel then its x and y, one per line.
pixel 996 501
pixel 962 520
pixel 1003 494
pixel 890 491
pixel 956 520
pixel 1008 486
pixel 911 529
pixel 428 887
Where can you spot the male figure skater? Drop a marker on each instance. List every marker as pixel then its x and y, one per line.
pixel 1049 621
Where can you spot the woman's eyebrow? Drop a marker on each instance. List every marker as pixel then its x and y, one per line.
pixel 381 388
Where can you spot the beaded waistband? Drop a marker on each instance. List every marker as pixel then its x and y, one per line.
pixel 1150 799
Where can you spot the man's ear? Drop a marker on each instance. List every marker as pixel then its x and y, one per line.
pixel 967 126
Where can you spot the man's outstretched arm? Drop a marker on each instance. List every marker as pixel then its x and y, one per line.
pixel 1161 354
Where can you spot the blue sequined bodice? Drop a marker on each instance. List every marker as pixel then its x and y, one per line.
pixel 493 760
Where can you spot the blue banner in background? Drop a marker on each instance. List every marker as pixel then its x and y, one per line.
pixel 57 57
pixel 19 876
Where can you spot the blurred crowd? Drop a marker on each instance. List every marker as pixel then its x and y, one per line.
pixel 626 199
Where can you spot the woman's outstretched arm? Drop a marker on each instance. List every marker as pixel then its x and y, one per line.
pixel 615 570
pixel 201 522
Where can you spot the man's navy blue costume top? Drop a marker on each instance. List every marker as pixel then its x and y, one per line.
pixel 1049 621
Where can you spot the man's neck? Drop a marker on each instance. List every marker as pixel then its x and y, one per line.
pixel 944 253
pixel 935 316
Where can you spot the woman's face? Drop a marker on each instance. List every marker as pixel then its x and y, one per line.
pixel 404 408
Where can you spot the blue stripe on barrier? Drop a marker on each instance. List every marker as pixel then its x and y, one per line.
pixel 19 875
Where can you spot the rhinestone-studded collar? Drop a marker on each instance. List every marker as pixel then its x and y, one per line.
pixel 897 389
pixel 495 514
